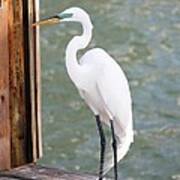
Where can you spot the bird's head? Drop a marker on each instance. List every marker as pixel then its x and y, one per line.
pixel 73 14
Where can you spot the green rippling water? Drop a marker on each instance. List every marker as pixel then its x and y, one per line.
pixel 144 37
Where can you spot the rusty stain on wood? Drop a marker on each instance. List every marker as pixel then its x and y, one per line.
pixel 20 127
pixel 4 91
pixel 38 172
pixel 17 83
pixel 23 83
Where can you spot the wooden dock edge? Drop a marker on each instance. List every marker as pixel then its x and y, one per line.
pixel 37 172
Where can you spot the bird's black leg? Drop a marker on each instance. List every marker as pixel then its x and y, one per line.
pixel 103 146
pixel 114 145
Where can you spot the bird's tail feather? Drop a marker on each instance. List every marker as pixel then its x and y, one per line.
pixel 123 145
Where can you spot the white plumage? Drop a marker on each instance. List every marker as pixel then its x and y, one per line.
pixel 107 93
pixel 102 84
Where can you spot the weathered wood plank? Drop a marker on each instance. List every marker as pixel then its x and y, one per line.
pixel 4 91
pixel 38 77
pixel 24 87
pixel 43 173
pixel 32 68
pixel 32 77
pixel 17 83
pixel 32 46
pixel 20 127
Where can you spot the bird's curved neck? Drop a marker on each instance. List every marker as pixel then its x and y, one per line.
pixel 78 42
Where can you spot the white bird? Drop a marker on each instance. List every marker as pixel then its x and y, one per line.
pixel 104 87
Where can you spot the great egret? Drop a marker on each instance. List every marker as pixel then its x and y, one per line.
pixel 102 84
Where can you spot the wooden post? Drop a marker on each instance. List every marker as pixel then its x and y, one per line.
pixel 4 90
pixel 20 127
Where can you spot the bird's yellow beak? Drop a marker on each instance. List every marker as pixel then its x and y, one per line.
pixel 51 20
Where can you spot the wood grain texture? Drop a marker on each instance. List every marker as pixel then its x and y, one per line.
pixel 20 116
pixel 38 78
pixel 31 46
pixel 34 70
pixel 23 83
pixel 17 84
pixel 44 173
pixel 4 91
